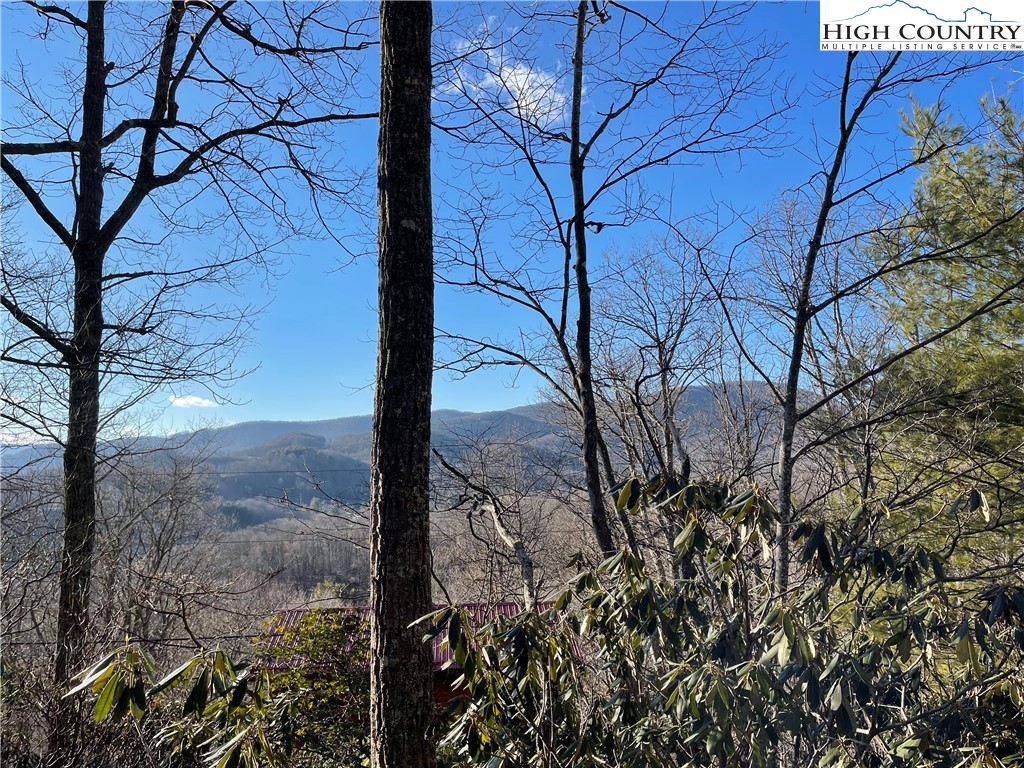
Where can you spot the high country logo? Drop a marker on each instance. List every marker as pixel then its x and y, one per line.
pixel 935 25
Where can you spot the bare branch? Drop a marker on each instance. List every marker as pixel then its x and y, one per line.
pixel 34 199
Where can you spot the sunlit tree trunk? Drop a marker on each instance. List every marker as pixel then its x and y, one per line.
pixel 401 670
pixel 82 356
pixel 584 364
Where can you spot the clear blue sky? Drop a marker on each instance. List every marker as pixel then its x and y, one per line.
pixel 313 348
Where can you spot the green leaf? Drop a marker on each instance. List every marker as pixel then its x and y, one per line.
pixel 122 705
pixel 835 696
pixel 813 691
pixel 454 631
pixel 844 722
pixel 976 501
pixel 101 668
pixel 196 701
pixel 111 693
pixel 906 750
pixel 770 654
pixel 174 677
pixel 973 500
pixel 238 693
pixel 905 648
pixel 963 649
pixel 627 495
pixel 138 699
pixel 634 494
pixel 229 754
pixel 220 686
pixel 99 682
pixel 685 537
pixel 563 600
pixel 955 505
pixel 784 648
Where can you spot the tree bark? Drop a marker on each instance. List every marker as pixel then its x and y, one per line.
pixel 803 312
pixel 584 363
pixel 401 669
pixel 83 360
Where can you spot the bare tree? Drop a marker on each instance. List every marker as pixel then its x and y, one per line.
pixel 738 443
pixel 656 330
pixel 512 497
pixel 575 167
pixel 162 577
pixel 182 118
pixel 401 664
pixel 809 248
pixel 656 336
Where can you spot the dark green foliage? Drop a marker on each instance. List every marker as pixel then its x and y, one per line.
pixel 324 660
pixel 211 710
pixel 962 241
pixel 875 659
pixel 305 703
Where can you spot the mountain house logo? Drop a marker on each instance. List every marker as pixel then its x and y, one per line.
pixel 938 25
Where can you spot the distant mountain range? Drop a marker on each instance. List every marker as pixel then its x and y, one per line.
pixel 305 461
pixel 351 434
pixel 258 463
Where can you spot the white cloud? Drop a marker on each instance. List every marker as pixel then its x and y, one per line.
pixel 535 94
pixel 191 401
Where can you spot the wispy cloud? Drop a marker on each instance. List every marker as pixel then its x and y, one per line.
pixel 191 401
pixel 527 90
pixel 537 95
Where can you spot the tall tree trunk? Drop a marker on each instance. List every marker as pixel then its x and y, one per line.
pixel 803 312
pixel 584 363
pixel 83 360
pixel 401 669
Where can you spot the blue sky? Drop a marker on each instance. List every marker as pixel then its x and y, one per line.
pixel 313 348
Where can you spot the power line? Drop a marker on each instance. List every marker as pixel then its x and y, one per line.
pixel 365 471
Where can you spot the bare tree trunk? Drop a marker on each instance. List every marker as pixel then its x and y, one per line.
pixel 850 111
pixel 83 359
pixel 790 410
pixel 584 362
pixel 522 555
pixel 492 504
pixel 401 668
